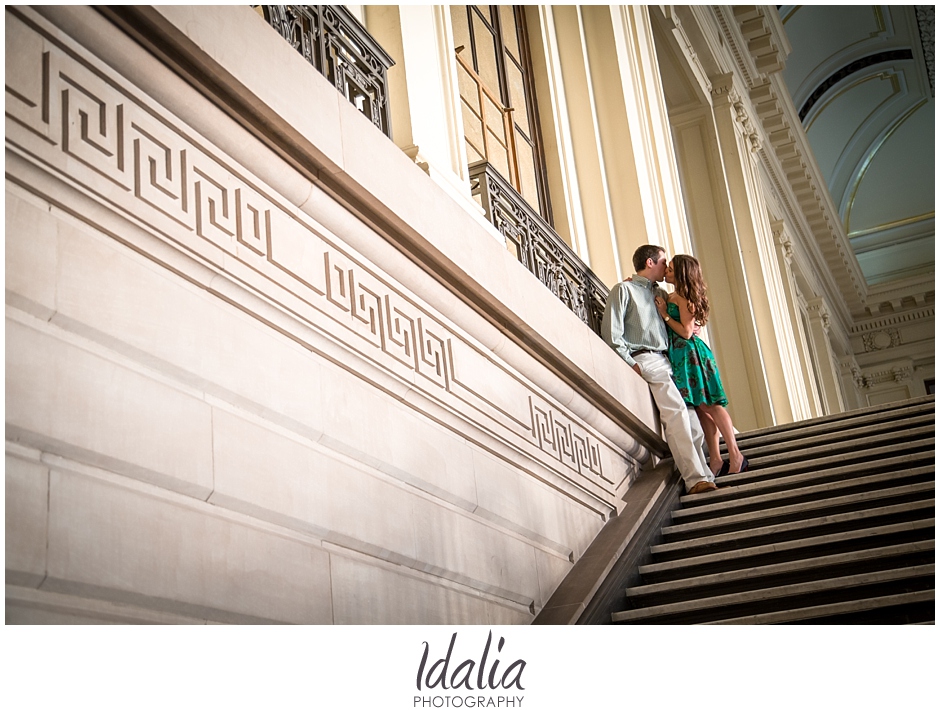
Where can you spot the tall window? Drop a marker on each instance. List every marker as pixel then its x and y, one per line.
pixel 497 99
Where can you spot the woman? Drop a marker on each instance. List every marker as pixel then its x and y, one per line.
pixel 693 364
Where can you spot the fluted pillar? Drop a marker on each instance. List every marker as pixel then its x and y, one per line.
pixel 424 95
pixel 588 155
pixel 557 135
pixel 827 369
pixel 739 141
pixel 803 397
pixel 647 184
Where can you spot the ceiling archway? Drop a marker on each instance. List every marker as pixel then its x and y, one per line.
pixel 861 78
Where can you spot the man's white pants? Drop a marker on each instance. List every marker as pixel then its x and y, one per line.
pixel 682 429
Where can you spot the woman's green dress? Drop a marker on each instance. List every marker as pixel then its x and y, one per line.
pixel 693 367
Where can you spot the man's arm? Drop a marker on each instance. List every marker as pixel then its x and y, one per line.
pixel 612 324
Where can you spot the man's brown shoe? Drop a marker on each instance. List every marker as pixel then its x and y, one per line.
pixel 702 487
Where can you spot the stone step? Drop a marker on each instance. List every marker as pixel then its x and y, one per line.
pixel 832 523
pixel 803 570
pixel 901 430
pixel 890 410
pixel 813 497
pixel 916 439
pixel 745 486
pixel 893 609
pixel 875 458
pixel 810 527
pixel 777 552
pixel 766 437
pixel 786 596
pixel 789 513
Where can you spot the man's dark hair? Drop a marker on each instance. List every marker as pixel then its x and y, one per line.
pixel 647 251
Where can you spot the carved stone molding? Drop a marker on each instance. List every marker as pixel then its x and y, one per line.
pixel 925 23
pixel 783 239
pixel 802 190
pixel 765 44
pixel 905 318
pixel 817 310
pixel 724 93
pixel 895 374
pixel 723 88
pixel 748 129
pixel 675 24
pixel 850 365
pixel 881 339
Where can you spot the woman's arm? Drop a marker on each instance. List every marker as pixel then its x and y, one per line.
pixel 684 328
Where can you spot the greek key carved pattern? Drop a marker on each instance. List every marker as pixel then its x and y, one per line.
pixel 101 128
pixel 84 117
pixel 559 437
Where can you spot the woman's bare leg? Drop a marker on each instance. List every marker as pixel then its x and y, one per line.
pixel 722 420
pixel 711 439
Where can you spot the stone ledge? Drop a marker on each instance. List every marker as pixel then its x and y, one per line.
pixel 623 533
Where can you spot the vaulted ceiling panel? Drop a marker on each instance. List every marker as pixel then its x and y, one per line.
pixel 819 56
pixel 862 83
pixel 886 193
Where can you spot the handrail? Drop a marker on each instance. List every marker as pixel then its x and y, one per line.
pixel 334 41
pixel 538 246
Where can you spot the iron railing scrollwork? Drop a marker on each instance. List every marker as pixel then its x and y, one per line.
pixel 538 247
pixel 333 41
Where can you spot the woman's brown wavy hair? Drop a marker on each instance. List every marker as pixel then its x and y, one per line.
pixel 691 286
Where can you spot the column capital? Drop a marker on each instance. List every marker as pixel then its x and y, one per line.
pixel 783 239
pixel 726 94
pixel 818 310
pixel 724 90
pixel 850 365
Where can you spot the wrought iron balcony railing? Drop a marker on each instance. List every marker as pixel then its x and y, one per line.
pixel 332 40
pixel 538 247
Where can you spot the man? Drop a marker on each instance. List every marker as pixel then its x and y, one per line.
pixel 633 327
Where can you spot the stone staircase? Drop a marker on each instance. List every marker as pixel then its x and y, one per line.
pixel 833 524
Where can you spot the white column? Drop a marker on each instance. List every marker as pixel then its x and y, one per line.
pixel 828 370
pixel 649 138
pixel 560 166
pixel 424 95
pixel 739 142
pixel 803 400
pixel 576 72
pixel 731 326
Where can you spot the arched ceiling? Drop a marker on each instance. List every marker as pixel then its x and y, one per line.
pixel 860 80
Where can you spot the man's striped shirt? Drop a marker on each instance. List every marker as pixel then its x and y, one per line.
pixel 631 321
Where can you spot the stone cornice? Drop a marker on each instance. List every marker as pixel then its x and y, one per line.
pixel 755 37
pixel 789 160
pixel 899 297
pixel 767 43
pixel 925 315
